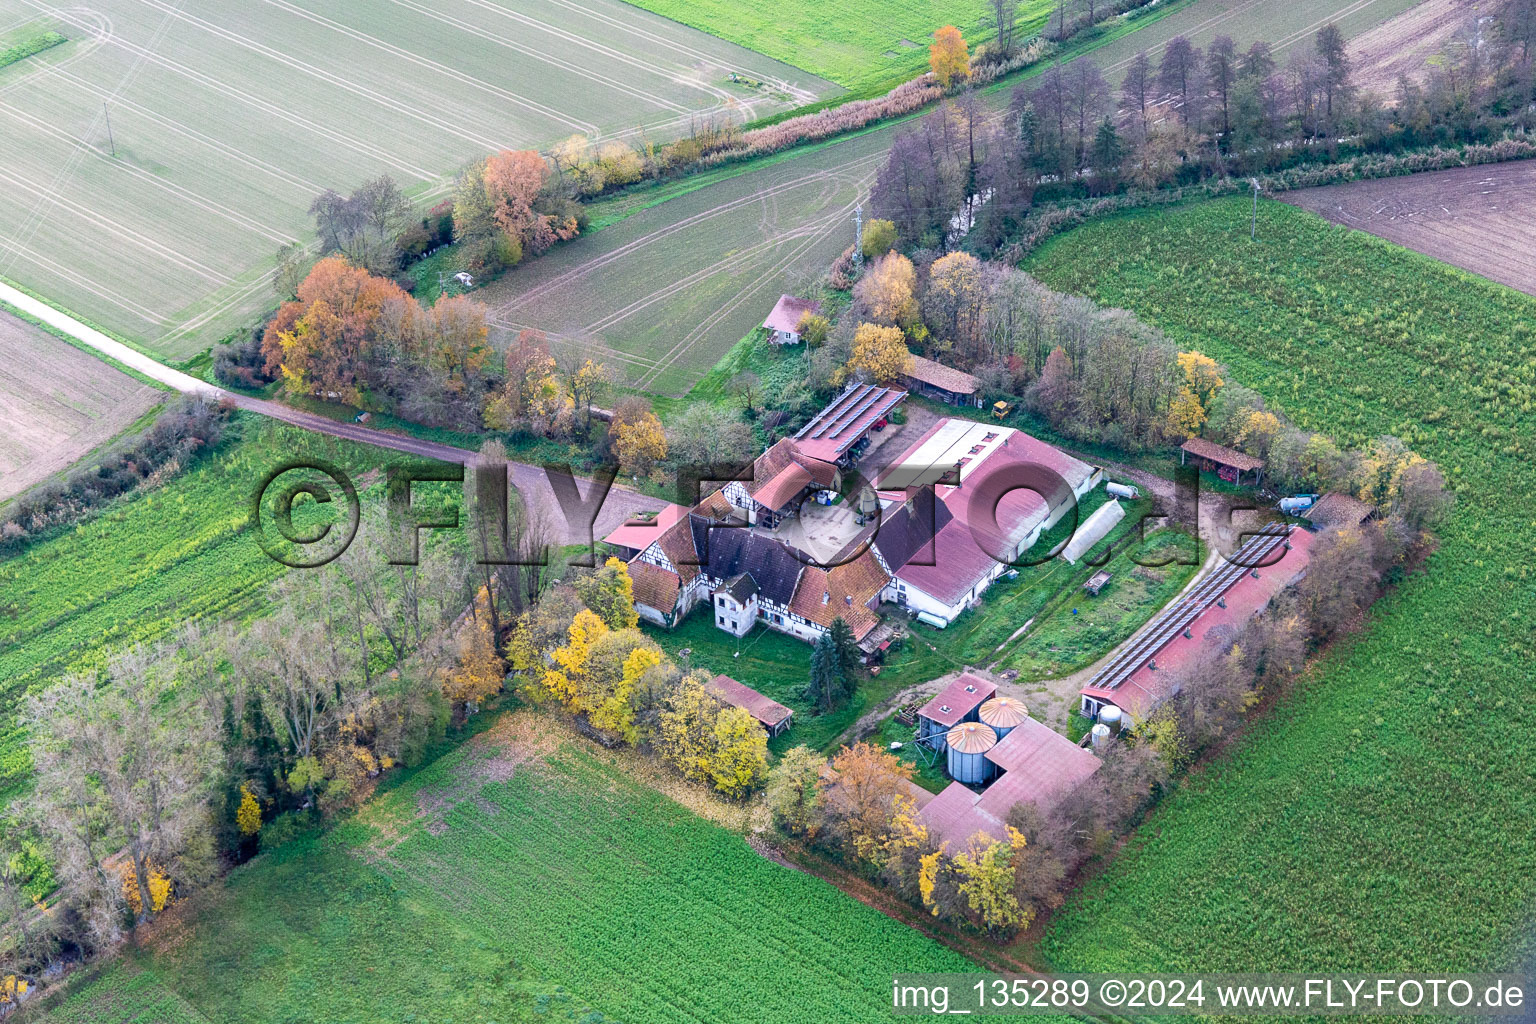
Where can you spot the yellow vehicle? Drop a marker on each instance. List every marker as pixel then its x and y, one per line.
pixel 1001 410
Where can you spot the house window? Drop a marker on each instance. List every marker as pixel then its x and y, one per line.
pixel 719 620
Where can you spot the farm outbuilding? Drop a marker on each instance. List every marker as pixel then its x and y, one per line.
pixel 837 433
pixel 943 383
pixel 958 702
pixel 1338 510
pixel 1227 463
pixel 783 324
pixel 770 714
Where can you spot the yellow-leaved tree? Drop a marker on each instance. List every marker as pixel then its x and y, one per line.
pixel 610 593
pixel 879 352
pixel 739 761
pixel 616 711
pixel 568 679
pixel 949 57
pixel 1185 414
pixel 478 670
pixel 887 293
pixel 159 889
pixel 987 871
pixel 248 815
pixel 640 444
pixel 686 728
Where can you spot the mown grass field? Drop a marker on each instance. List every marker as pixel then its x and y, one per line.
pixel 227 121
pixel 135 572
pixel 1384 817
pixel 515 879
pixel 857 44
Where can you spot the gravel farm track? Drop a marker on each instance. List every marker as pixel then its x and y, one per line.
pixel 1475 218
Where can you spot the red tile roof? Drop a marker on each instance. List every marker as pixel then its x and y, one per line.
pixel 787 313
pixel 654 586
pixel 769 712
pixel 848 589
pixel 640 533
pixel 959 564
pixel 783 471
pixel 1145 687
pixel 962 696
pixel 1041 766
pixel 1218 453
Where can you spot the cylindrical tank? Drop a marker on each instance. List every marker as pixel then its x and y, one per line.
pixel 869 501
pixel 1003 714
pixel 1122 490
pixel 1296 505
pixel 968 746
pixel 1112 718
pixel 1100 736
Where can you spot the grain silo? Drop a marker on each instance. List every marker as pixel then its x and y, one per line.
pixel 1003 714
pixel 968 745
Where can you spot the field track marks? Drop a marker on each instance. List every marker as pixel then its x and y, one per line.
pixel 122 302
pixel 573 38
pixel 157 250
pixel 307 187
pixel 34 219
pixel 330 78
pixel 99 32
pixel 273 110
pixel 180 192
pixel 657 40
pixel 729 206
pixel 812 233
pixel 446 71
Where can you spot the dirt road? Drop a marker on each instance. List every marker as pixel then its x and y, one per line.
pixel 532 482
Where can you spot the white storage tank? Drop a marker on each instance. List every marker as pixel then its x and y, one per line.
pixel 1123 490
pixel 968 746
pixel 1003 714
pixel 1100 736
pixel 1113 717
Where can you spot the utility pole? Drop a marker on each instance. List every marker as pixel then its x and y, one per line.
pixel 110 140
pixel 858 238
pixel 1253 228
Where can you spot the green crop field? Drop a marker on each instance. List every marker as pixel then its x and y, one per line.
pixel 226 121
pixel 857 44
pixel 506 883
pixel 135 572
pixel 1383 818
pixel 686 269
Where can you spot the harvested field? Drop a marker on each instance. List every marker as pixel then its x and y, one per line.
pixel 1475 218
pixel 1410 44
pixel 57 404
pixel 227 120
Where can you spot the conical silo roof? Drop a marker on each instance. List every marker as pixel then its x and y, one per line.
pixel 1004 712
pixel 971 738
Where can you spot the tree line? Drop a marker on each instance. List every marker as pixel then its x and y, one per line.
pixel 968 174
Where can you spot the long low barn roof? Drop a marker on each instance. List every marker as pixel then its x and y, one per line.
pixel 1201 448
pixel 1218 606
pixel 765 710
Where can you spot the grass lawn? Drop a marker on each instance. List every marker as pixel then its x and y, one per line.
pixel 1375 820
pixel 1084 628
pixel 776 665
pixel 932 777
pixel 859 44
pixel 517 878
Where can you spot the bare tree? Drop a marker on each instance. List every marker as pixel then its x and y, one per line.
pixel 123 767
pixel 1004 19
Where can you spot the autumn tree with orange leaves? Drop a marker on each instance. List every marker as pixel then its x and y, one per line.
pixel 948 56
